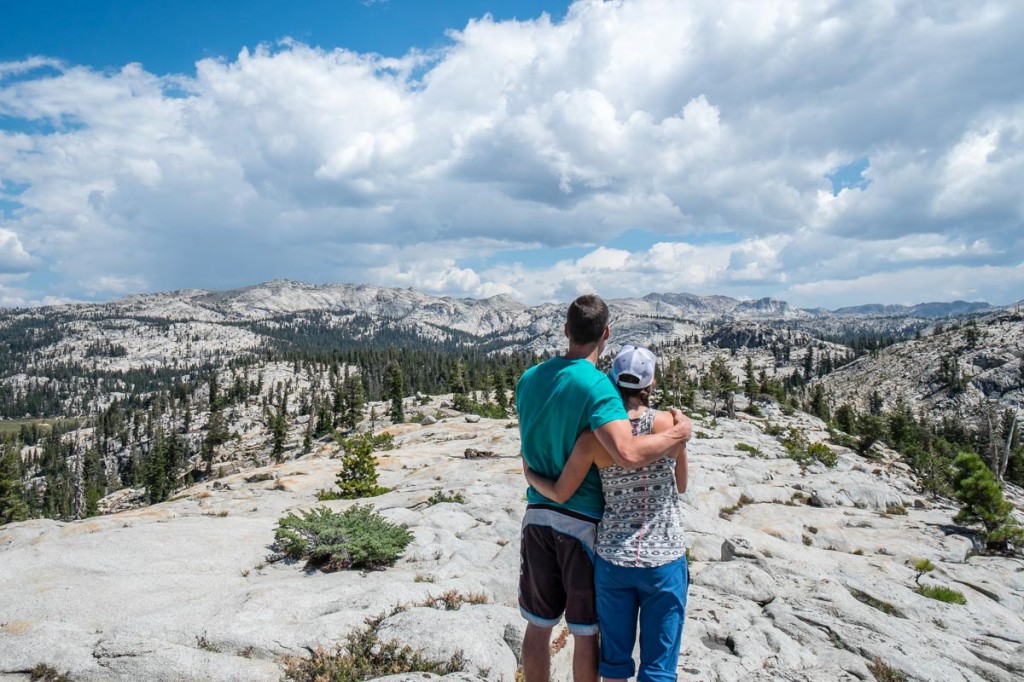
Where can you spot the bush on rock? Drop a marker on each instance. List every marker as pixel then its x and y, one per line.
pixel 356 538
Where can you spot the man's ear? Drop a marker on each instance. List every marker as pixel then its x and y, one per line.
pixel 565 329
pixel 607 333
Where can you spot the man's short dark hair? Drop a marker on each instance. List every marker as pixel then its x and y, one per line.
pixel 587 319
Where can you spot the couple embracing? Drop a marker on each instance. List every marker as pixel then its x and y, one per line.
pixel 601 572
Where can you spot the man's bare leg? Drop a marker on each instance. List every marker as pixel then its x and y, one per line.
pixel 536 653
pixel 584 658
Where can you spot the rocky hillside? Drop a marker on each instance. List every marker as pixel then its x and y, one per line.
pixel 799 573
pixel 188 327
pixel 952 371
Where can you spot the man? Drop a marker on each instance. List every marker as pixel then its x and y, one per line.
pixel 557 400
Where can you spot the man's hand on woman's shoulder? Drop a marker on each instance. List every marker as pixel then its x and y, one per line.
pixel 682 427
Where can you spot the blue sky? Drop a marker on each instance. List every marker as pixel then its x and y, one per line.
pixel 169 37
pixel 828 155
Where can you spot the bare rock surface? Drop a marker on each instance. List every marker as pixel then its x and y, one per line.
pixel 781 589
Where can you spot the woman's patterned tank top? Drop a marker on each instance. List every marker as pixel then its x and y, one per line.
pixel 642 523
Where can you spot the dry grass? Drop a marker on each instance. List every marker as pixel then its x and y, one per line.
pixel 560 641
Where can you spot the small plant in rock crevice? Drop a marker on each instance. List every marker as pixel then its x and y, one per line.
pixel 749 449
pixel 452 600
pixel 46 673
pixel 884 672
pixel 440 497
pixel 942 593
pixel 937 592
pixel 363 656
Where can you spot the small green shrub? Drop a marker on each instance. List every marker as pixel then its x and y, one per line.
pixel 941 593
pixel 439 497
pixel 804 453
pixel 753 410
pixel 896 510
pixel 356 538
pixel 363 657
pixel 795 442
pixel 749 449
pixel 822 453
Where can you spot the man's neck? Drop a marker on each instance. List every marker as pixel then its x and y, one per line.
pixel 590 352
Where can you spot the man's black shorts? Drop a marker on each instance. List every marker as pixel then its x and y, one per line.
pixel 556 573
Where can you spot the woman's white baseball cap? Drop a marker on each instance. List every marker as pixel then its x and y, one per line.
pixel 637 364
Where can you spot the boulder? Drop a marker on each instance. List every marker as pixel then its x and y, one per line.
pixel 741 579
pixel 486 635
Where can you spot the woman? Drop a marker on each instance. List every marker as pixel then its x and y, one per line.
pixel 641 556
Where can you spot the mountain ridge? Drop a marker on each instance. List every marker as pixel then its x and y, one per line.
pixel 700 305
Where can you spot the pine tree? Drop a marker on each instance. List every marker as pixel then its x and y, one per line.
pixel 976 488
pixel 396 393
pixel 358 475
pixel 819 403
pixel 354 402
pixel 158 486
pixel 846 419
pixel 215 399
pixel 13 506
pixel 322 422
pixel 749 381
pixel 500 399
pixel 278 434
pixel 307 436
pixel 216 434
pixel 720 382
pixel 95 480
pixel 871 429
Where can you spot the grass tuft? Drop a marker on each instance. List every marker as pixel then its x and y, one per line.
pixel 362 656
pixel 45 673
pixel 440 497
pixel 942 593
pixel 884 672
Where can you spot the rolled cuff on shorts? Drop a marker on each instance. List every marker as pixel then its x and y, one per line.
pixel 537 620
pixel 556 578
pixel 579 630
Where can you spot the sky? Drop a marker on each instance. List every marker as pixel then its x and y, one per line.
pixel 827 153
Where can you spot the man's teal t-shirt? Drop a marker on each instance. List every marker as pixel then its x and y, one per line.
pixel 558 400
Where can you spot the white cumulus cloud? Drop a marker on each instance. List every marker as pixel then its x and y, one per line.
pixel 710 128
